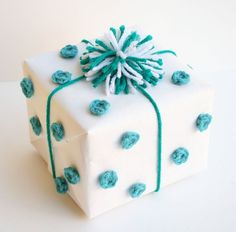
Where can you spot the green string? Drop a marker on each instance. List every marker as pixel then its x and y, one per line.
pixel 159 137
pixel 48 123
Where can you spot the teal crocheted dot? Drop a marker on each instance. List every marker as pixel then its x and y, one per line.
pixel 69 51
pixel 58 131
pixel 180 156
pixel 203 121
pixel 108 179
pixel 137 189
pixel 99 107
pixel 129 139
pixel 36 125
pixel 72 175
pixel 180 78
pixel 61 185
pixel 27 87
pixel 60 77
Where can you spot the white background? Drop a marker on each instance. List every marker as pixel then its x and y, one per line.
pixel 202 32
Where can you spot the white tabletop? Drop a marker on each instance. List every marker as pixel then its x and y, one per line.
pixel 205 202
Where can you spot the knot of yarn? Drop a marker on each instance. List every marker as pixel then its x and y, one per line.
pixel 129 139
pixel 61 77
pixel 58 131
pixel 27 87
pixel 203 121
pixel 137 189
pixel 180 78
pixel 108 179
pixel 99 107
pixel 69 51
pixel 72 175
pixel 61 185
pixel 180 155
pixel 36 125
pixel 121 59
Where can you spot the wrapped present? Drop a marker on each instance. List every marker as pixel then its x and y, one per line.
pixel 116 118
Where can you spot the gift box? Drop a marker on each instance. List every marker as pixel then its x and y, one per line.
pixel 116 118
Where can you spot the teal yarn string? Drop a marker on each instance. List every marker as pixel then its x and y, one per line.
pixel 159 136
pixel 48 119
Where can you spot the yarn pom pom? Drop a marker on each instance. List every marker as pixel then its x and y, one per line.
pixel 121 59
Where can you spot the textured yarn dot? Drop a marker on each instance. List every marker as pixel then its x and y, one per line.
pixel 180 78
pixel 27 87
pixel 129 139
pixel 61 185
pixel 69 51
pixel 36 125
pixel 203 121
pixel 72 175
pixel 58 131
pixel 99 107
pixel 137 190
pixel 180 156
pixel 60 77
pixel 108 179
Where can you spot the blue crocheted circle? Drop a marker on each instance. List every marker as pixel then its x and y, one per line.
pixel 99 107
pixel 60 77
pixel 129 139
pixel 137 189
pixel 27 87
pixel 180 78
pixel 69 51
pixel 61 185
pixel 108 179
pixel 180 156
pixel 72 175
pixel 36 125
pixel 203 121
pixel 58 131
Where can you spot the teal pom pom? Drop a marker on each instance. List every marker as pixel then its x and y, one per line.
pixel 36 125
pixel 108 179
pixel 203 121
pixel 99 107
pixel 180 156
pixel 137 189
pixel 180 78
pixel 58 131
pixel 60 77
pixel 69 51
pixel 129 139
pixel 27 87
pixel 61 185
pixel 72 175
